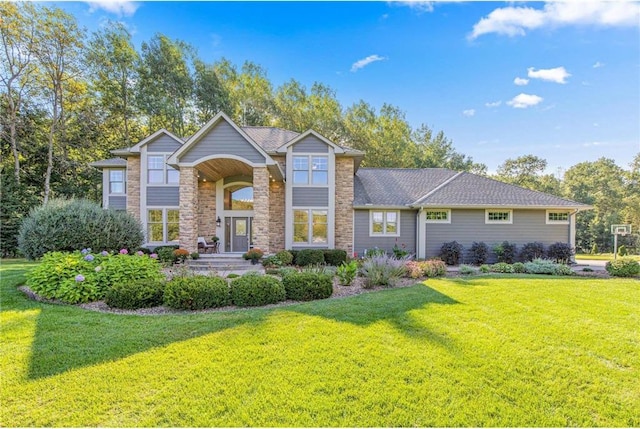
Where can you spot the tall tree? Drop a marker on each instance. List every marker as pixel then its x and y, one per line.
pixel 165 90
pixel 527 171
pixel 112 62
pixel 211 96
pixel 18 38
pixel 59 53
pixel 438 151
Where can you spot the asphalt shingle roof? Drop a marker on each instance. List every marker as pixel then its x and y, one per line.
pixel 396 186
pixel 270 138
pixel 441 187
pixel 111 162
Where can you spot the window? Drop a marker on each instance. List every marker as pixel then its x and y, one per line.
pixel 238 199
pixel 310 170
pixel 310 226
pixel 438 216
pixel 159 173
pixel 498 216
pixel 163 225
pixel 557 217
pixel 384 222
pixel 116 182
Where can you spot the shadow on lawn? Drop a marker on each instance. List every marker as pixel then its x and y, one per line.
pixel 393 306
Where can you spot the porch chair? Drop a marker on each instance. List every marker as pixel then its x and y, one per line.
pixel 205 246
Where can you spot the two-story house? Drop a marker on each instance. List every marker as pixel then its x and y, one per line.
pixel 277 189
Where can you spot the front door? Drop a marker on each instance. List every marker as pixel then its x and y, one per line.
pixel 239 234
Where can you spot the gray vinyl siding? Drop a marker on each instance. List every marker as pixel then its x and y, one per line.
pixel 310 144
pixel 364 241
pixel 469 225
pixel 310 197
pixel 118 203
pixel 164 196
pixel 223 139
pixel 164 143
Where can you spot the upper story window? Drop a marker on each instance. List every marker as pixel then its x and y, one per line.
pixel 238 199
pixel 310 169
pixel 116 181
pixel 498 216
pixel 159 173
pixel 557 217
pixel 384 222
pixel 438 216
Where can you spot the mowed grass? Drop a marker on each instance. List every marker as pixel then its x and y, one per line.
pixel 451 352
pixel 602 257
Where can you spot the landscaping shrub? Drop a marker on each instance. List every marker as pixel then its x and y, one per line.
pixel 335 257
pixel 166 255
pixel 181 255
pixel 307 286
pixel 485 268
pixel 451 252
pixel 253 289
pixel 560 252
pixel 433 268
pixel 399 252
pixel 382 271
pixel 622 250
pixel 319 269
pixel 285 257
pixel 272 261
pixel 253 255
pixel 506 252
pixel 195 256
pixel 546 266
pixel 623 267
pixel 478 253
pixel 467 270
pixel 347 272
pixel 294 254
pixel 531 251
pixel 374 251
pixel 518 267
pixel 594 249
pixel 310 257
pixel 83 276
pixel 413 269
pixel 67 225
pixel 285 271
pixel 501 267
pixel 134 295
pixel 196 293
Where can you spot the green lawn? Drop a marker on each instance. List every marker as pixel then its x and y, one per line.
pixel 602 257
pixel 452 352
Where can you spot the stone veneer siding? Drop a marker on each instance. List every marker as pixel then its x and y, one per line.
pixel 261 209
pixel 189 209
pixel 133 186
pixel 276 216
pixel 344 204
pixel 207 210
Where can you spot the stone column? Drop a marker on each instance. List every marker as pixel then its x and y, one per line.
pixel 189 209
pixel 261 211
pixel 207 209
pixel 133 186
pixel 276 213
pixel 344 204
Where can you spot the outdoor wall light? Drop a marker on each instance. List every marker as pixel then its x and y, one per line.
pixel 218 222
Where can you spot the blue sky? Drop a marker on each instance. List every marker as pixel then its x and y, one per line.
pixel 502 79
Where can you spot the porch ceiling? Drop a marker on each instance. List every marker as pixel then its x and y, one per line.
pixel 216 169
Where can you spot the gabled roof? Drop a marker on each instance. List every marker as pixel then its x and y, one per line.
pixel 396 186
pixel 111 162
pixel 444 188
pixel 136 148
pixel 270 138
pixel 283 149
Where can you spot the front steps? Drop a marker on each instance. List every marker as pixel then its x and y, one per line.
pixel 223 263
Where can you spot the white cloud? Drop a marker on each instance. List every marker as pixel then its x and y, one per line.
pixel 520 81
pixel 365 62
pixel 557 75
pixel 598 64
pixel 469 112
pixel 417 5
pixel 118 7
pixel 493 103
pixel 516 21
pixel 522 101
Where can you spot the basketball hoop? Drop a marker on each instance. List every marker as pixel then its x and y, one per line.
pixel 619 230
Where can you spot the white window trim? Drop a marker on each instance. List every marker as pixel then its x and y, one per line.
pixel 498 222
pixel 164 170
pixel 447 220
pixel 309 242
pixel 165 229
pixel 384 218
pixel 557 222
pixel 310 157
pixel 124 181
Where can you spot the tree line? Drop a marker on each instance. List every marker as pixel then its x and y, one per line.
pixel 69 97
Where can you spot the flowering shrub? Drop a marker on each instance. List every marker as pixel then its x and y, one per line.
pixel 433 268
pixel 83 277
pixel 414 270
pixel 623 267
pixel 181 254
pixel 253 254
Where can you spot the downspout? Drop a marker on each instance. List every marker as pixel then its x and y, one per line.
pixel 572 234
pixel 419 232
